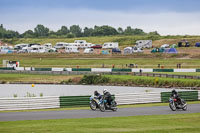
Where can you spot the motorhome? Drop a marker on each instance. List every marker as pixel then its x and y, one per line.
pixel 144 44
pixel 88 51
pixel 110 45
pixel 71 49
pixel 60 45
pixel 81 44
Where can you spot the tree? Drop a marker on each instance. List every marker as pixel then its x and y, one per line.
pixel 120 30
pixel 63 31
pixel 104 31
pixel 28 34
pixel 41 31
pixel 76 30
pixel 154 33
pixel 87 31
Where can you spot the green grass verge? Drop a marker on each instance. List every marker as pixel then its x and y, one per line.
pixel 181 73
pixel 180 123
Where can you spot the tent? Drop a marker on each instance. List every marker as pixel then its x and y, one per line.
pixel 173 46
pixel 197 44
pixel 156 50
pixel 172 50
pixel 105 52
pixel 128 50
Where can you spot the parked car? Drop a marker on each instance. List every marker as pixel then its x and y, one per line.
pixel 165 46
pixel 97 46
pixel 116 50
pixel 88 51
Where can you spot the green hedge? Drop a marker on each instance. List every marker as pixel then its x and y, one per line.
pixel 186 95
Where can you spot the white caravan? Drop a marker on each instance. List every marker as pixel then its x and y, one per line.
pixel 71 49
pixel 37 49
pixel 81 44
pixel 144 44
pixel 20 46
pixel 110 45
pixel 60 45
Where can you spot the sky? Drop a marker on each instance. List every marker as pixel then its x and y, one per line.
pixel 168 17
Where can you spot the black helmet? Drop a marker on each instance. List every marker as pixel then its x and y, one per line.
pixel 173 91
pixel 96 93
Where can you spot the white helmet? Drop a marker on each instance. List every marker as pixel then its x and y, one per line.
pixel 104 91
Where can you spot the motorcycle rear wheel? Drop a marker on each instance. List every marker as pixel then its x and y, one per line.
pixel 102 107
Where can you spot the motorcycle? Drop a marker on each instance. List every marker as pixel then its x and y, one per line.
pixel 103 105
pixel 94 103
pixel 174 104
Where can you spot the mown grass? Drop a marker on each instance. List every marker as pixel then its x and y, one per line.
pixel 86 61
pixel 118 80
pixel 180 123
pixel 35 78
pixel 181 73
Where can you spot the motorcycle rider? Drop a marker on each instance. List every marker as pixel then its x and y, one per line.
pixel 176 96
pixel 107 96
pixel 97 95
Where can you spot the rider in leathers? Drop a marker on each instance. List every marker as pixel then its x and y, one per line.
pixel 107 96
pixel 176 96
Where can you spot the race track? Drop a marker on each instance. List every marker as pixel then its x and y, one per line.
pixel 44 115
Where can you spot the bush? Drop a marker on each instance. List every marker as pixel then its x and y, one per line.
pixel 94 79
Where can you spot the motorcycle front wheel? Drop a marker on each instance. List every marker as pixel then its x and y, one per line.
pixel 93 105
pixel 114 106
pixel 172 106
pixel 185 107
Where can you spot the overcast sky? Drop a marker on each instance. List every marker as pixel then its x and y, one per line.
pixel 168 17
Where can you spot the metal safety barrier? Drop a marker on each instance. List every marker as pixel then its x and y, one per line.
pixel 134 98
pixel 25 103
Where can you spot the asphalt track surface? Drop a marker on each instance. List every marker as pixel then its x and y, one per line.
pixel 66 114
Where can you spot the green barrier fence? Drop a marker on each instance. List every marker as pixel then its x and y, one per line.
pixel 43 69
pixel 6 68
pixel 186 95
pixel 81 69
pixel 197 70
pixel 68 101
pixel 121 70
pixel 163 70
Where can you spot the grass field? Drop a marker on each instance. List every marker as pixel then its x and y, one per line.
pixel 87 61
pixel 115 80
pixel 180 123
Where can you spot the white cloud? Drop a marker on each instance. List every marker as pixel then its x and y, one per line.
pixel 169 23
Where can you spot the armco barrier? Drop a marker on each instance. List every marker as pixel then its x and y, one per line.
pixel 25 103
pixel 184 70
pixel 120 70
pixel 198 95
pixel 186 95
pixel 101 69
pixel 43 69
pixel 134 98
pixel 82 69
pixel 163 70
pixel 66 101
pixel 6 68
pixel 143 69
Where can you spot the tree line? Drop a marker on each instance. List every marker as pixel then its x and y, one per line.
pixel 72 31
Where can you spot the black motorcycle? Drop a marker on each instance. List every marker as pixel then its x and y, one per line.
pixel 103 105
pixel 174 104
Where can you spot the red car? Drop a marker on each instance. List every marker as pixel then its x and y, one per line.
pixel 97 46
